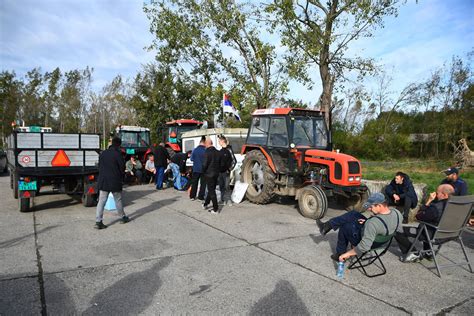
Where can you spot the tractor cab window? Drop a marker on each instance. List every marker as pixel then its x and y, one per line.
pixel 303 134
pixel 278 132
pixel 144 139
pixel 321 133
pixel 259 131
pixel 129 139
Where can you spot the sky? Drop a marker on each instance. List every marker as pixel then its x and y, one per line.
pixel 111 35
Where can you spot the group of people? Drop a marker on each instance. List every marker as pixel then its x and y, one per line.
pixel 360 229
pixel 211 168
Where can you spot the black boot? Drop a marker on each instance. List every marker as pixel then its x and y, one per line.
pixel 324 228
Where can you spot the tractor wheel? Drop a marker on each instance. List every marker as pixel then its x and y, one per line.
pixel 312 202
pixel 260 177
pixel 24 205
pixel 356 202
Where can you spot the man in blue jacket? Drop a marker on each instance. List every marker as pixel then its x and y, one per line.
pixel 452 178
pixel 197 157
pixel 401 192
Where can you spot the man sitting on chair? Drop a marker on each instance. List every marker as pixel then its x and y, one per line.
pixel 356 229
pixel 431 213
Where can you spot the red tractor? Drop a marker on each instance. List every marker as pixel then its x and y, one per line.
pixel 171 133
pixel 288 152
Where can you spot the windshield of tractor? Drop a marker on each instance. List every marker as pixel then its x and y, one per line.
pixel 135 139
pixel 259 131
pixel 177 131
pixel 310 132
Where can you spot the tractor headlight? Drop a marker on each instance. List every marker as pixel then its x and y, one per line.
pixel 292 145
pixel 357 178
pixel 351 179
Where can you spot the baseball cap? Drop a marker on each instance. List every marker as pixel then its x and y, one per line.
pixel 451 171
pixel 375 198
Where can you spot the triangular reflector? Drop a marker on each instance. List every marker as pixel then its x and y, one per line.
pixel 26 194
pixel 60 159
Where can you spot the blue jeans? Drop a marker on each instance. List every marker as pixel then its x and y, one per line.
pixel 160 173
pixel 178 183
pixel 350 231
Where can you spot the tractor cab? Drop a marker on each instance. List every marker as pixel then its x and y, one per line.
pixel 172 132
pixel 135 140
pixel 288 152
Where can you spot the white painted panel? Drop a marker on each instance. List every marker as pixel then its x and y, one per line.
pixel 26 158
pixel 92 158
pixel 28 140
pixel 60 141
pixel 90 141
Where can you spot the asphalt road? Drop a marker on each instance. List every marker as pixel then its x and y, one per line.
pixel 175 258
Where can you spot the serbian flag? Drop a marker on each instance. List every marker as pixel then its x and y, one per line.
pixel 228 107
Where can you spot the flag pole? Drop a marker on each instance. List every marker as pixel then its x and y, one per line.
pixel 223 111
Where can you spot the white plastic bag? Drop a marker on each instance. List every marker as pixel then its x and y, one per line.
pixel 110 204
pixel 239 191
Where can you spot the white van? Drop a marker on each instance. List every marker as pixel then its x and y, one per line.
pixel 235 136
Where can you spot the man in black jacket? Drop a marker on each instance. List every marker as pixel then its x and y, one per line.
pixel 401 192
pixel 431 213
pixel 228 162
pixel 111 172
pixel 161 162
pixel 210 168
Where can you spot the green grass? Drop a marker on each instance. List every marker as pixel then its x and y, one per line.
pixel 427 171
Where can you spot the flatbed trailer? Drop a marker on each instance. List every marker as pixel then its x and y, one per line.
pixel 68 162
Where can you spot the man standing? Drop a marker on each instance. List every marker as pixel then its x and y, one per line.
pixel 161 162
pixel 111 171
pixel 360 232
pixel 197 157
pixel 452 178
pixel 210 169
pixel 431 213
pixel 228 162
pixel 401 192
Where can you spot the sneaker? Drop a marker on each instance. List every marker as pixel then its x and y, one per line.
pixel 412 257
pixel 100 225
pixel 324 228
pixel 229 203
pixel 204 206
pixel 214 212
pixel 193 199
pixel 125 219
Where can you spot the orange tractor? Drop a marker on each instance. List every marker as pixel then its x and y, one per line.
pixel 288 152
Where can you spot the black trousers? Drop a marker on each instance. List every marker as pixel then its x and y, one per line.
pixel 211 183
pixel 405 202
pixel 404 242
pixel 196 177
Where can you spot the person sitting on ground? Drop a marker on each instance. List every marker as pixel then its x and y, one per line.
pixel 431 213
pixel 150 169
pixel 401 192
pixel 133 170
pixel 360 231
pixel 178 168
pixel 452 178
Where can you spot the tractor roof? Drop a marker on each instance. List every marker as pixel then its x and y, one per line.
pixel 287 111
pixel 179 122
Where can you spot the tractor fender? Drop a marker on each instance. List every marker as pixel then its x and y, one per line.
pixel 247 148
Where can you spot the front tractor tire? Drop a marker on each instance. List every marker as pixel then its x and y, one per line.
pixel 312 202
pixel 259 176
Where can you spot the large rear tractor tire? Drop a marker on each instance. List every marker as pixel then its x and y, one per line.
pixel 356 202
pixel 259 176
pixel 312 202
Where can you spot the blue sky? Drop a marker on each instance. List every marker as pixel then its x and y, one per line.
pixel 110 36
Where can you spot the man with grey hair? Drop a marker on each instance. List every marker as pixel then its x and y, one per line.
pixel 360 231
pixel 210 168
pixel 431 213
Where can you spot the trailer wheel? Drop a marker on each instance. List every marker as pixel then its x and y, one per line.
pixel 356 202
pixel 24 205
pixel 312 202
pixel 260 177
pixel 88 200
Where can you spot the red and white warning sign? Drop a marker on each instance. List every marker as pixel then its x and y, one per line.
pixel 26 159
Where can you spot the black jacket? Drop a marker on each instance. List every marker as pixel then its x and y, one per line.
pixel 111 170
pixel 211 164
pixel 432 213
pixel 228 160
pixel 403 190
pixel 180 160
pixel 161 157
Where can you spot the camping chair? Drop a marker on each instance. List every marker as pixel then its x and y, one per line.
pixel 379 248
pixel 452 223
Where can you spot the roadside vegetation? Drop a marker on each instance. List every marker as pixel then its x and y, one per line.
pixel 420 171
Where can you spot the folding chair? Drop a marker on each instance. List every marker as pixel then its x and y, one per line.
pixel 452 223
pixel 379 248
